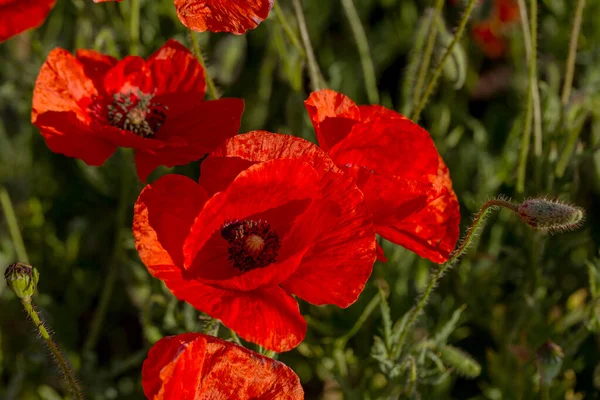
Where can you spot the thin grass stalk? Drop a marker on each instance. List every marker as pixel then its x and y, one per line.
pixel 438 71
pixel 363 50
pixel 424 67
pixel 288 29
pixel 570 66
pixel 13 226
pixel 210 83
pixel 313 66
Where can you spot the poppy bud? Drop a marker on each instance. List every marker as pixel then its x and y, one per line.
pixel 22 279
pixel 550 215
pixel 549 357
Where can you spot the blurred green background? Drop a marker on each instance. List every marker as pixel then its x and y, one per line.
pixel 514 290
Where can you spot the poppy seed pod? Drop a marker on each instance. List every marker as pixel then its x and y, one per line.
pixel 22 279
pixel 549 358
pixel 551 215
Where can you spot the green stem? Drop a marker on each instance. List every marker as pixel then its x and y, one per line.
pixel 113 268
pixel 477 224
pixel 134 28
pixel 13 226
pixel 545 391
pixel 565 156
pixel 341 342
pixel 212 89
pixel 424 68
pixel 566 92
pixel 535 92
pixel 363 50
pixel 313 67
pixel 288 29
pixel 438 71
pixel 58 357
pixel 235 338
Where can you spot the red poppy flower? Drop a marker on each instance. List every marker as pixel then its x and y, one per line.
pixel 19 15
pixel 395 163
pixel 235 16
pixel 506 11
pixel 271 217
pixel 86 106
pixel 489 39
pixel 193 366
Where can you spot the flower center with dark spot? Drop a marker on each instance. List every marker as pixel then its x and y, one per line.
pixel 252 244
pixel 134 111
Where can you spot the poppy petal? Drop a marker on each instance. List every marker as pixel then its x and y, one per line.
pixel 333 115
pixel 192 366
pixel 235 16
pixel 66 134
pixel 177 70
pixel 163 215
pixel 269 316
pixel 62 85
pixel 389 146
pixel 262 187
pixel 129 74
pixel 95 65
pixel 18 16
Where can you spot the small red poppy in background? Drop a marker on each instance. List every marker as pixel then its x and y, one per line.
pixel 88 105
pixel 19 15
pixel 271 217
pixel 491 33
pixel 235 16
pixel 395 163
pixel 193 366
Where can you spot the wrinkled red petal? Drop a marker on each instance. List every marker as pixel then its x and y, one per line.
pixel 177 70
pixel 194 366
pixel 174 367
pixel 269 316
pixel 95 65
pixel 333 115
pixel 130 74
pixel 62 85
pixel 19 15
pixel 380 254
pixel 163 215
pixel 65 134
pixel 262 187
pixel 235 16
pixel 389 146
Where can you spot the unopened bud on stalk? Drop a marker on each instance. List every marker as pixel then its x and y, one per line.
pixel 22 279
pixel 549 357
pixel 550 215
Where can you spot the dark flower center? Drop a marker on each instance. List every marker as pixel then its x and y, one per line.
pixel 252 244
pixel 134 111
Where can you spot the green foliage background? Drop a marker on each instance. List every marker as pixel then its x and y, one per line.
pixel 515 288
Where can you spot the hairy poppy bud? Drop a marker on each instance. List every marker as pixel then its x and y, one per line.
pixel 550 215
pixel 22 279
pixel 549 358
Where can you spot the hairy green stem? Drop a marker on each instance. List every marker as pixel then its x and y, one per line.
pixel 438 71
pixel 313 67
pixel 363 50
pixel 134 28
pixel 288 29
pixel 570 66
pixel 113 268
pixel 212 89
pixel 58 357
pixel 424 67
pixel 13 226
pixel 477 224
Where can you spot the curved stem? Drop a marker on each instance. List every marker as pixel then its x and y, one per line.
pixel 58 357
pixel 363 49
pixel 570 67
pixel 134 28
pixel 212 89
pixel 13 226
pixel 313 67
pixel 360 321
pixel 438 71
pixel 424 67
pixel 288 29
pixel 477 224
pixel 111 278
